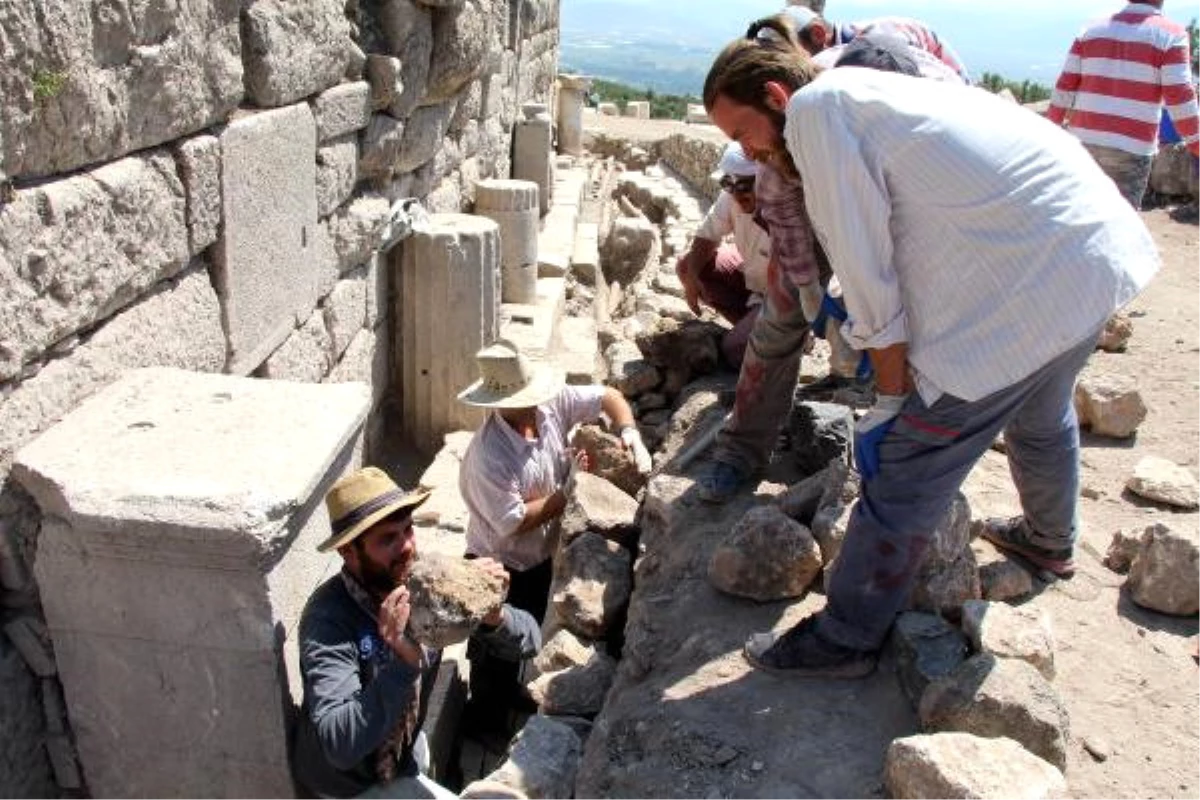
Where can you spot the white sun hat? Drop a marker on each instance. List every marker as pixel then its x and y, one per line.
pixel 734 162
pixel 508 379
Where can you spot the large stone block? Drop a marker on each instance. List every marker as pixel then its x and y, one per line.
pixel 381 145
pixel 337 173
pixel 446 311
pixel 74 251
pixel 403 29
pixel 199 161
pixel 293 50
pixel 177 325
pixel 368 361
pixel 267 274
pixel 86 83
pixel 202 493
pixel 461 36
pixel 344 109
pixel 345 310
pixel 423 135
pixel 305 356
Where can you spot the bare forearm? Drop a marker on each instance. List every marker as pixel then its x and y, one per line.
pixel 699 255
pixel 891 369
pixel 616 408
pixel 540 511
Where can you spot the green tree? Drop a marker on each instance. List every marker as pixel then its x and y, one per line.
pixel 1025 91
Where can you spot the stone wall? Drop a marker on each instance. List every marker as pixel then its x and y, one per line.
pixel 693 159
pixel 210 187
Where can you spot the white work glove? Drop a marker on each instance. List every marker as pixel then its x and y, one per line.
pixel 870 430
pixel 632 440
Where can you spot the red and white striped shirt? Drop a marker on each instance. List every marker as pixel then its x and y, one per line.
pixel 1117 77
pixel 917 34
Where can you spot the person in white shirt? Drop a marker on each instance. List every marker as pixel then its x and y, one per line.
pixel 516 474
pixel 980 251
pixel 731 278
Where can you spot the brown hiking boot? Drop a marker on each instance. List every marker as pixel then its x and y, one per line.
pixel 1012 536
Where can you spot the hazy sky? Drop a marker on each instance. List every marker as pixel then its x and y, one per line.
pixel 1017 38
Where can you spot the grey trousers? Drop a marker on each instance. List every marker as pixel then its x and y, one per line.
pixel 1129 171
pixel 923 461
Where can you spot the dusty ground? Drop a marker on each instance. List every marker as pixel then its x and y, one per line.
pixel 693 720
pixel 1128 675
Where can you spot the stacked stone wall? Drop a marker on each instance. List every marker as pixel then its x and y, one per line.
pixel 210 187
pixel 693 159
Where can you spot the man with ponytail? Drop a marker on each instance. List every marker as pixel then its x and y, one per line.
pixel 980 251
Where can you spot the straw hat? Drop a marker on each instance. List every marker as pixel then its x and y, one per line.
pixel 509 380
pixel 363 498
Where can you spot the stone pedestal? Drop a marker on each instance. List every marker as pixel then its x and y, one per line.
pixel 571 91
pixel 181 514
pixel 447 310
pixel 513 206
pixel 533 140
pixel 637 109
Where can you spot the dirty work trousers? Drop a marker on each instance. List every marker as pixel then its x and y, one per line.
pixel 723 286
pixel 923 461
pixel 1129 171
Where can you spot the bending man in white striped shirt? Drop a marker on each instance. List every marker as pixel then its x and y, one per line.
pixel 980 251
pixel 1118 75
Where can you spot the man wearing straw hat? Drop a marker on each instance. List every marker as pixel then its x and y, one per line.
pixel 366 682
pixel 517 472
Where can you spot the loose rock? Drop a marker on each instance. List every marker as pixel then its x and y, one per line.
pixel 449 597
pixel 963 765
pixel 990 696
pixel 1164 574
pixel 1010 632
pixel 1000 577
pixel 926 648
pixel 592 583
pixel 1117 333
pixel 578 690
pixel 1122 550
pixel 609 459
pixel 1164 482
pixel 1108 404
pixel 767 556
pixel 543 762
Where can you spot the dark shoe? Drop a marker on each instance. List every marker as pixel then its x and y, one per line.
pixel 722 482
pixel 803 652
pixel 1012 536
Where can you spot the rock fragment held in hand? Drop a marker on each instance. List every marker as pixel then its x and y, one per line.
pixel 449 596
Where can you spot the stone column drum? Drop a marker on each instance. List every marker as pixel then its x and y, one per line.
pixel 448 308
pixel 571 90
pixel 181 514
pixel 513 205
pixel 533 141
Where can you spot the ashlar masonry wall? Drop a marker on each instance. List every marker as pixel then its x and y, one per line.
pixel 207 185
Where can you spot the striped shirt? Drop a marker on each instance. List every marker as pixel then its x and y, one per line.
pixel 1119 73
pixel 917 34
pixel 973 230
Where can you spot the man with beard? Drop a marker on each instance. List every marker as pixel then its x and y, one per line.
pixel 980 251
pixel 366 682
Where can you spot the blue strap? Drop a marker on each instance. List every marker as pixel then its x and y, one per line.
pixel 829 308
